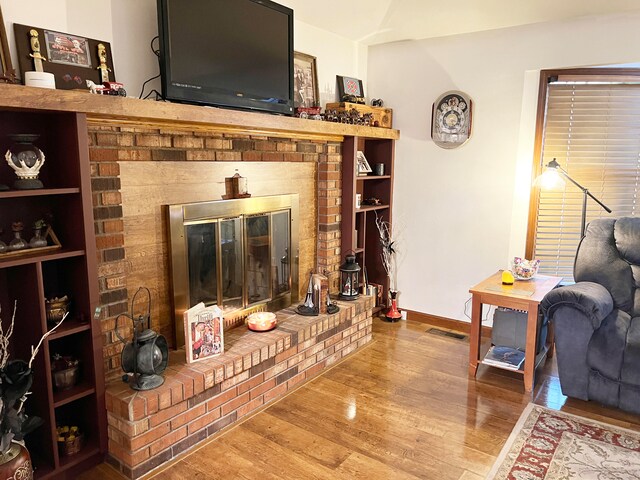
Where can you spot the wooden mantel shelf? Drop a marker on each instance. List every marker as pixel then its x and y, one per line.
pixel 106 109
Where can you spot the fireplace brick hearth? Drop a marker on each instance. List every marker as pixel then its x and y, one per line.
pixel 198 400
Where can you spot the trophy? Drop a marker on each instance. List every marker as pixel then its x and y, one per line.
pixel 26 160
pixel 38 78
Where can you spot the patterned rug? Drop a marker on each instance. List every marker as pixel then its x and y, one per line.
pixel 551 445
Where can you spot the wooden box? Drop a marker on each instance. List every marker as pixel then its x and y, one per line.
pixel 382 116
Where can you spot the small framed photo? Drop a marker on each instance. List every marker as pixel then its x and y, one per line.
pixel 67 49
pixel 349 86
pixel 305 81
pixel 363 165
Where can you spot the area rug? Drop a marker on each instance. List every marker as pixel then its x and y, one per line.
pixel 551 445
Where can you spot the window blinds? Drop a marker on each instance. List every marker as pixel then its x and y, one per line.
pixel 594 133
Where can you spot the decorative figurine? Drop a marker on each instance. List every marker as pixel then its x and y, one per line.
pixel 35 51
pixel 104 69
pixel 38 239
pixel 93 88
pixel 26 160
pixel 18 242
pixel 309 308
pixel 38 77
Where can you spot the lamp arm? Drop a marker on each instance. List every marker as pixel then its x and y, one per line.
pixel 584 190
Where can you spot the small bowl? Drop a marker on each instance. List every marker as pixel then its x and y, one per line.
pixel 262 321
pixel 523 269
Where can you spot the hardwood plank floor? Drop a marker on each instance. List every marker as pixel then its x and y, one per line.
pixel 402 408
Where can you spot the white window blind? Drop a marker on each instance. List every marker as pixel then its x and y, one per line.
pixel 594 133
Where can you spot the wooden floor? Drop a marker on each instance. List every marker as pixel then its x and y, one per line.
pixel 401 408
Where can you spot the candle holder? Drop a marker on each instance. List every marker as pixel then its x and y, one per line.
pixel 26 160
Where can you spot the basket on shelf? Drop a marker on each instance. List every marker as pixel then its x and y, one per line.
pixel 70 441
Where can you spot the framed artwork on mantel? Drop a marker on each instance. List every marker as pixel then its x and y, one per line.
pixel 71 58
pixel 305 79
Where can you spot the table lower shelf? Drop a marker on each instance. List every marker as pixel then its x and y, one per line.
pixel 539 358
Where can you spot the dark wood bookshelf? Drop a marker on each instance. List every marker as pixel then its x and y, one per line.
pixel 359 232
pixel 31 277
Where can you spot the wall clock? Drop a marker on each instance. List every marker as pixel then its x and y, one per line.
pixel 451 119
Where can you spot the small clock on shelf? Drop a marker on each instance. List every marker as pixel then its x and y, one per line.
pixel 451 119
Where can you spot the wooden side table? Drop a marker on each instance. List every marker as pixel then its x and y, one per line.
pixel 522 295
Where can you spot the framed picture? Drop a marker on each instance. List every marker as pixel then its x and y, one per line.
pixel 67 49
pixel 203 332
pixel 305 81
pixel 363 164
pixel 349 86
pixel 5 58
pixel 71 58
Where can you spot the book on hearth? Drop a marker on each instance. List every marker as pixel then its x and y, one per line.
pixel 203 332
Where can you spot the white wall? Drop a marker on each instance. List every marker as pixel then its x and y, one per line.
pixel 130 25
pixel 461 214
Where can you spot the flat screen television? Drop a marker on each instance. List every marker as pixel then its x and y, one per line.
pixel 227 53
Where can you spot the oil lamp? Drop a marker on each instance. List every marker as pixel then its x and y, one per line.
pixel 146 356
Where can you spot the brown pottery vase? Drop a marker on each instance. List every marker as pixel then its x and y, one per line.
pixel 16 464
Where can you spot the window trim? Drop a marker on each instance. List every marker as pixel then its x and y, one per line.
pixel 545 77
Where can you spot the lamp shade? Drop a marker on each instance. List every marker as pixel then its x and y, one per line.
pixel 550 179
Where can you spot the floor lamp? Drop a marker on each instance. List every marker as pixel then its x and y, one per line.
pixel 552 176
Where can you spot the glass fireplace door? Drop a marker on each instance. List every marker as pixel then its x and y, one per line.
pixel 239 254
pixel 257 259
pixel 232 267
pixel 202 263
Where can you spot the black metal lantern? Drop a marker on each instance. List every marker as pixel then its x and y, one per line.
pixel 349 278
pixel 147 355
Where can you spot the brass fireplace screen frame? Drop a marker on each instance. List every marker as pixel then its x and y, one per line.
pixel 181 216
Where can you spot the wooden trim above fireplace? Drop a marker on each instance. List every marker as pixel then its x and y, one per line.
pixel 118 110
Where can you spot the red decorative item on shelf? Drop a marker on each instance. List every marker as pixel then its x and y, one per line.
pixel 393 314
pixel 16 463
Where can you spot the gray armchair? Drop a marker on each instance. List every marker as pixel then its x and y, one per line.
pixel 597 320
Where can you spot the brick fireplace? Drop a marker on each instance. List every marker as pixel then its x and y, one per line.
pixel 135 170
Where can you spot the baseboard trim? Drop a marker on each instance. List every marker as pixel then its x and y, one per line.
pixel 444 322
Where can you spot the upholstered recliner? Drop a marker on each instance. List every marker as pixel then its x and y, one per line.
pixel 597 320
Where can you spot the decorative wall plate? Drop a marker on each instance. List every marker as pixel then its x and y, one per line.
pixel 451 119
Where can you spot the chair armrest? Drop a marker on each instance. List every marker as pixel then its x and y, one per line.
pixel 591 299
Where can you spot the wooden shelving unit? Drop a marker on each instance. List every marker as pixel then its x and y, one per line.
pixel 359 232
pixel 71 271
